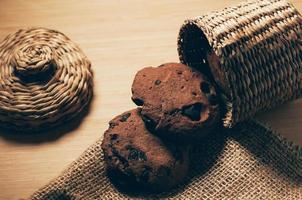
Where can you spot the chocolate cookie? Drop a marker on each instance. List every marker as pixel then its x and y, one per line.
pixel 134 156
pixel 176 99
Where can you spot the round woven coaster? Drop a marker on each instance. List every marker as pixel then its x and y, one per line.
pixel 252 51
pixel 45 79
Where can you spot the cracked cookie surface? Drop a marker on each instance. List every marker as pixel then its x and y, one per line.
pixel 176 99
pixel 136 157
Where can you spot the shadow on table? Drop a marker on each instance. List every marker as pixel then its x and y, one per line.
pixel 45 135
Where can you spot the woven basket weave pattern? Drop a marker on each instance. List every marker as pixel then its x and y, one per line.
pixel 259 54
pixel 45 79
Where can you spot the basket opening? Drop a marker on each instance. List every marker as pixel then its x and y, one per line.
pixel 195 51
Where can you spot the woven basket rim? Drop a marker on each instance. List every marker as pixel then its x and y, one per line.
pixel 207 35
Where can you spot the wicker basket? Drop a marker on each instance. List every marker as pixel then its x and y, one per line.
pixel 252 51
pixel 45 79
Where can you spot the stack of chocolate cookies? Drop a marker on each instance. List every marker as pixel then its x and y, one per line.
pixel 149 147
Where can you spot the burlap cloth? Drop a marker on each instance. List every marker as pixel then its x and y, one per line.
pixel 249 160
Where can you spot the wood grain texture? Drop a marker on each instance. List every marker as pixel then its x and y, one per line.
pixel 119 37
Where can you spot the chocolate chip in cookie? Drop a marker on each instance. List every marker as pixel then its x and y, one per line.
pixel 135 156
pixel 176 99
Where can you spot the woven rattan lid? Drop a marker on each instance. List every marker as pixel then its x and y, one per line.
pixel 45 79
pixel 252 51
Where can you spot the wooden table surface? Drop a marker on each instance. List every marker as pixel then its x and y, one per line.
pixel 119 37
